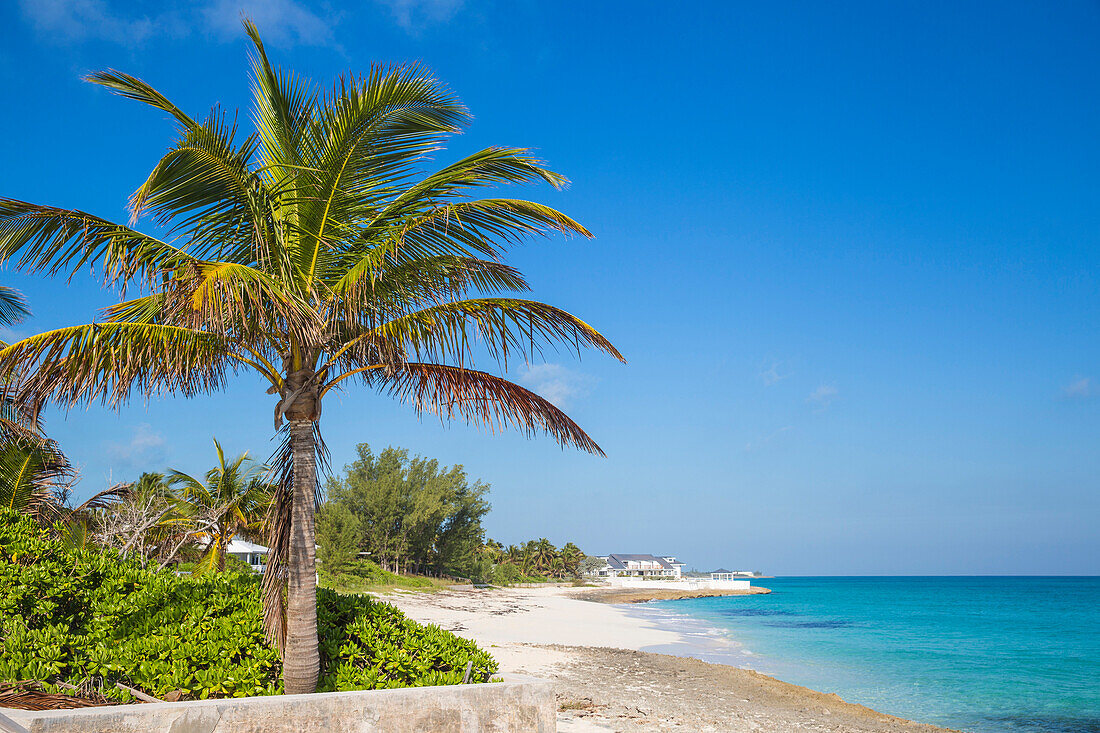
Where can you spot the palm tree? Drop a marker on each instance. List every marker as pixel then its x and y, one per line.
pixel 34 474
pixel 233 495
pixel 544 555
pixel 571 555
pixel 313 254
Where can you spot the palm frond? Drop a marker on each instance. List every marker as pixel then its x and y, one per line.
pixel 366 136
pixel 13 306
pixel 284 106
pixel 376 284
pixel 52 240
pixel 105 499
pixel 133 88
pixel 204 187
pixel 480 398
pixel 500 325
pixel 33 476
pixel 105 361
pixel 485 225
pixel 489 167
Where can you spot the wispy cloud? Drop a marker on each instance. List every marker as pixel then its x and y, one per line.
pixel 556 383
pixel 91 19
pixel 823 396
pixel 1081 388
pixel 754 445
pixel 770 374
pixel 11 335
pixel 414 15
pixel 281 22
pixel 145 450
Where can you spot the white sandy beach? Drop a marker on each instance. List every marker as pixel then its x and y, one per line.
pixel 592 650
pixel 518 624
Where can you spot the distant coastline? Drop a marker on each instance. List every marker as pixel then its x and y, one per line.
pixel 644 595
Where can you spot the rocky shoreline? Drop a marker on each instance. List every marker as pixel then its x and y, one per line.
pixel 644 595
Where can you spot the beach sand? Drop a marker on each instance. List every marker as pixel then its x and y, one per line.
pixel 592 651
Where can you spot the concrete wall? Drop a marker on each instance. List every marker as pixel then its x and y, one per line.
pixel 517 705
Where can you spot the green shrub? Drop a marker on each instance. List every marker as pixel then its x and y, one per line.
pixel 361 575
pixel 370 644
pixel 509 574
pixel 71 615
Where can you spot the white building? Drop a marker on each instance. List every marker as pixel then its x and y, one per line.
pixel 656 567
pixel 641 571
pixel 249 552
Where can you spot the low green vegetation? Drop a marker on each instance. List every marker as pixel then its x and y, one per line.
pixel 364 576
pixel 79 615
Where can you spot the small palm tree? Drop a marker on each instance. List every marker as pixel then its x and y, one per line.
pixel 314 253
pixel 493 551
pixel 233 495
pixel 545 552
pixel 34 474
pixel 571 555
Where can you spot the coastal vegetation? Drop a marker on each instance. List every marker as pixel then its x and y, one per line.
pixel 533 561
pixel 391 519
pixel 89 617
pixel 234 495
pixel 314 253
pixel 406 514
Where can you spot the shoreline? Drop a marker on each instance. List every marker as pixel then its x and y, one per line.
pixel 645 595
pixel 619 669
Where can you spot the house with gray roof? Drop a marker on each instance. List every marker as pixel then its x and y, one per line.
pixel 665 567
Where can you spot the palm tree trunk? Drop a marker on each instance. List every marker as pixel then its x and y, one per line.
pixel 301 656
pixel 221 554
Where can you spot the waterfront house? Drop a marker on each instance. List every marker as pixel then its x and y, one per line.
pixel 249 552
pixel 654 567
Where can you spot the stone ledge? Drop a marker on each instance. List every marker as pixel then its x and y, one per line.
pixel 516 705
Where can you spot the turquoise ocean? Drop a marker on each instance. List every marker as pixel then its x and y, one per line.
pixel 981 654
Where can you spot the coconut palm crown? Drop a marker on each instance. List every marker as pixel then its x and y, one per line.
pixel 316 253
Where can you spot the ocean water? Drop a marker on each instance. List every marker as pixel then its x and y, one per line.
pixel 982 654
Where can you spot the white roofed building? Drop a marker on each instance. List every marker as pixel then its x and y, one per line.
pixel 251 553
pixel 640 566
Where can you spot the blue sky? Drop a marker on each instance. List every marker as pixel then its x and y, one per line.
pixel 851 253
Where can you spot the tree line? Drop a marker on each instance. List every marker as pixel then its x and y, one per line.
pixel 409 514
pixel 406 514
pixel 535 559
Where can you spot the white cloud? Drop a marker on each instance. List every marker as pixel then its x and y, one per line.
pixel 281 22
pixel 556 383
pixel 79 19
pixel 771 374
pixel 823 395
pixel 1081 388
pixel 758 444
pixel 145 450
pixel 413 15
